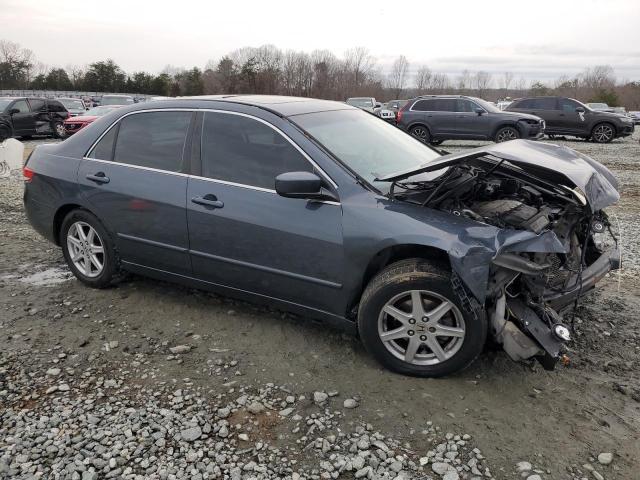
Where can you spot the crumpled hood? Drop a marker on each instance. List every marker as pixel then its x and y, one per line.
pixel 550 162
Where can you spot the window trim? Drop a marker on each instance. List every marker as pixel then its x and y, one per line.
pixel 191 174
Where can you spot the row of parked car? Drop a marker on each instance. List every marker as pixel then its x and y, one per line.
pixel 58 117
pixel 436 118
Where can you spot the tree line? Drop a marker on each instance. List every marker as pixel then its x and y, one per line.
pixel 320 74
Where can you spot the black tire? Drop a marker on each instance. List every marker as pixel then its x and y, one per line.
pixel 58 130
pixel 421 133
pixel 603 132
pixel 110 261
pixel 505 134
pixel 406 276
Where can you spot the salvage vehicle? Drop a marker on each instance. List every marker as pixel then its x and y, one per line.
pixel 75 124
pixel 436 118
pixel 566 116
pixel 318 208
pixel 33 116
pixel 369 104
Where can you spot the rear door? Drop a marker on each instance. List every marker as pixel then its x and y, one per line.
pixel 245 236
pixel 23 120
pixel 547 109
pixel 438 114
pixel 135 181
pixel 469 124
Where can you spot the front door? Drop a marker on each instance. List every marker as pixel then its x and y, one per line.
pixel 243 235
pixel 570 120
pixel 134 181
pixel 469 123
pixel 23 120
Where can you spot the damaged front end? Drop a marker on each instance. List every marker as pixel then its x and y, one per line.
pixel 554 241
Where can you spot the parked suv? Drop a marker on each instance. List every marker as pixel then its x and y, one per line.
pixel 319 208
pixel 33 116
pixel 566 116
pixel 435 118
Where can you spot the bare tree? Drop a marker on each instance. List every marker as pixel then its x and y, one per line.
pixel 398 76
pixel 464 81
pixel 424 77
pixel 507 80
pixel 482 82
pixel 359 64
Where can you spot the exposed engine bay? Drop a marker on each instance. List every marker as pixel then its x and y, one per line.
pixel 529 294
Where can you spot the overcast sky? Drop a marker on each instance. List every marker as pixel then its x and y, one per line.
pixel 538 40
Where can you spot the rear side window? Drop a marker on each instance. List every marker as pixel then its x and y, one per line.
pixel 445 105
pixel 544 103
pixel 424 106
pixel 153 139
pixel 104 148
pixel 56 107
pixel 22 106
pixel 243 150
pixel 36 104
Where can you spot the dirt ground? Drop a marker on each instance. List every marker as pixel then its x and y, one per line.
pixel 558 421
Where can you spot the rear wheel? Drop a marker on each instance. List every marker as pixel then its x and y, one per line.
pixel 413 323
pixel 58 130
pixel 506 133
pixel 603 133
pixel 421 133
pixel 88 249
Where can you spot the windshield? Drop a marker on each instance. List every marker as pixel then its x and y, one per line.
pixel 368 145
pixel 360 102
pixel 489 107
pixel 4 102
pixel 117 100
pixel 99 111
pixel 72 103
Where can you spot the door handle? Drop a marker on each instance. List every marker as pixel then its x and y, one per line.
pixel 99 177
pixel 208 201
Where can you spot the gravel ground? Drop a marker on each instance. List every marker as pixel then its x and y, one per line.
pixel 152 380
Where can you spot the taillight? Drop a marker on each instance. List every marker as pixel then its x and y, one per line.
pixel 27 174
pixel 399 116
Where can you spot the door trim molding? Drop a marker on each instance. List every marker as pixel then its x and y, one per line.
pixel 297 276
pixel 152 243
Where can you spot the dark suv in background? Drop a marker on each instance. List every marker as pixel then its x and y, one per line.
pixel 435 118
pixel 33 116
pixel 566 116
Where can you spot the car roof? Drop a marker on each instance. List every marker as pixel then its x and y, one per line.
pixel 281 105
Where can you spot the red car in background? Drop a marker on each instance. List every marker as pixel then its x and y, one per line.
pixel 75 124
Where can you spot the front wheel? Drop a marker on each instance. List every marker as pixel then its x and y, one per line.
pixel 421 133
pixel 603 133
pixel 88 249
pixel 413 323
pixel 506 133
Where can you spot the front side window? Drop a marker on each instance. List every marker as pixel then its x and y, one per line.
pixel 21 106
pixel 153 139
pixel 467 106
pixel 368 146
pixel 244 150
pixel 567 105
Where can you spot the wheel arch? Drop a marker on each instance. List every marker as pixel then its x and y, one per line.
pixel 419 123
pixel 395 253
pixel 60 215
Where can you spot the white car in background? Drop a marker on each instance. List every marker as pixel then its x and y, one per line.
pixel 370 105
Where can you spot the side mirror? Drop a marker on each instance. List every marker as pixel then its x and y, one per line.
pixel 479 111
pixel 301 185
pixel 579 109
pixel 13 111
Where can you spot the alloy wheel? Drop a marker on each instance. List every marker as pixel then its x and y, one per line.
pixel 86 249
pixel 507 134
pixel 603 133
pixel 60 130
pixel 420 133
pixel 421 327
